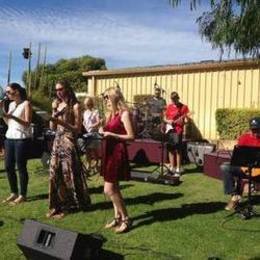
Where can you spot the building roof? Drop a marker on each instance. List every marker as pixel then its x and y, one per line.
pixel 206 65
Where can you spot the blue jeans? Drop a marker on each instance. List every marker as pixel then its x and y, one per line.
pixel 232 179
pixel 16 153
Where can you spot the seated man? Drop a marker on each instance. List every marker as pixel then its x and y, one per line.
pixel 233 175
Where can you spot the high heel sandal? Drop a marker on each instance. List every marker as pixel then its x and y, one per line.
pixel 124 226
pixel 51 213
pixel 114 223
pixel 60 215
pixel 12 197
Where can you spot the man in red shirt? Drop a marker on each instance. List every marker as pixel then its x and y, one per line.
pixel 232 175
pixel 174 117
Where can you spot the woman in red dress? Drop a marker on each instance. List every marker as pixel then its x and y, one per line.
pixel 115 166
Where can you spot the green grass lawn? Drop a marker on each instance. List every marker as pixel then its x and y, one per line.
pixel 170 222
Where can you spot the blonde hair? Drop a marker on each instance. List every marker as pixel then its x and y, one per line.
pixel 116 97
pixel 89 100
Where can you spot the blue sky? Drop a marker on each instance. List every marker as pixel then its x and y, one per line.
pixel 126 33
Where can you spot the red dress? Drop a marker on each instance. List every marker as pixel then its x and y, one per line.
pixel 115 165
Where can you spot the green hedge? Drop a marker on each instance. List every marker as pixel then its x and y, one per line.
pixel 233 122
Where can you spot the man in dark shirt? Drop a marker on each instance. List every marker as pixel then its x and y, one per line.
pixel 156 106
pixel 233 175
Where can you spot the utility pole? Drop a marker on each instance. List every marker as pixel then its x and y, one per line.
pixel 37 72
pixel 27 54
pixel 9 67
pixel 42 72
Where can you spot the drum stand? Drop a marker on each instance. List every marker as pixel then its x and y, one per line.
pixel 145 134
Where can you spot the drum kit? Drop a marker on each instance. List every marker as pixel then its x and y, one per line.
pixel 146 124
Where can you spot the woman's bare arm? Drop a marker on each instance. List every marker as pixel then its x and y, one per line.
pixel 27 117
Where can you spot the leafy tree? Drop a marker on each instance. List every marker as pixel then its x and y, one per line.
pixel 44 77
pixel 230 24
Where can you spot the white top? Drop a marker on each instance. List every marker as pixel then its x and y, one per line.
pixel 90 117
pixel 16 130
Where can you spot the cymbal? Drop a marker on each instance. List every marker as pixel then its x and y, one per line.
pixel 141 105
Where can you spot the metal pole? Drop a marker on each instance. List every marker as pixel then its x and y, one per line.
pixel 29 71
pixel 9 67
pixel 37 72
pixel 42 72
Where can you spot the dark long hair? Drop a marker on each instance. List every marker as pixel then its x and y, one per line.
pixel 72 100
pixel 20 89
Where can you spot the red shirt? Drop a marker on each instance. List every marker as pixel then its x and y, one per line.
pixel 248 139
pixel 174 112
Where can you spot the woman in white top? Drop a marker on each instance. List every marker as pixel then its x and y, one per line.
pixel 91 122
pixel 18 120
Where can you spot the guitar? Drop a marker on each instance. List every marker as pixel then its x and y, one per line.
pixel 255 171
pixel 171 126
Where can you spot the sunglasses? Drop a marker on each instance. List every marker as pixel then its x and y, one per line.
pixel 59 89
pixel 9 92
pixel 106 97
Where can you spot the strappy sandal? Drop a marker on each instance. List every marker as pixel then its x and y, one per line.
pixel 12 197
pixel 114 223
pixel 59 215
pixel 124 227
pixel 51 213
pixel 18 200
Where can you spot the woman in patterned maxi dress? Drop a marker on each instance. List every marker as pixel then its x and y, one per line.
pixel 67 184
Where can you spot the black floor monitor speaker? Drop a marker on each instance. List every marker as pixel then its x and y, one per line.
pixel 43 242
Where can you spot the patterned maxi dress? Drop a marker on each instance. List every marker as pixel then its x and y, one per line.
pixel 115 165
pixel 68 188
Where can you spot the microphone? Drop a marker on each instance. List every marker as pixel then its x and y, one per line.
pixel 117 85
pixel 157 86
pixel 5 97
pixel 59 113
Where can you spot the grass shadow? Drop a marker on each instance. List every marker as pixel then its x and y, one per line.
pixel 38 197
pixel 195 169
pixel 100 189
pixel 149 199
pixel 161 215
pixel 109 255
